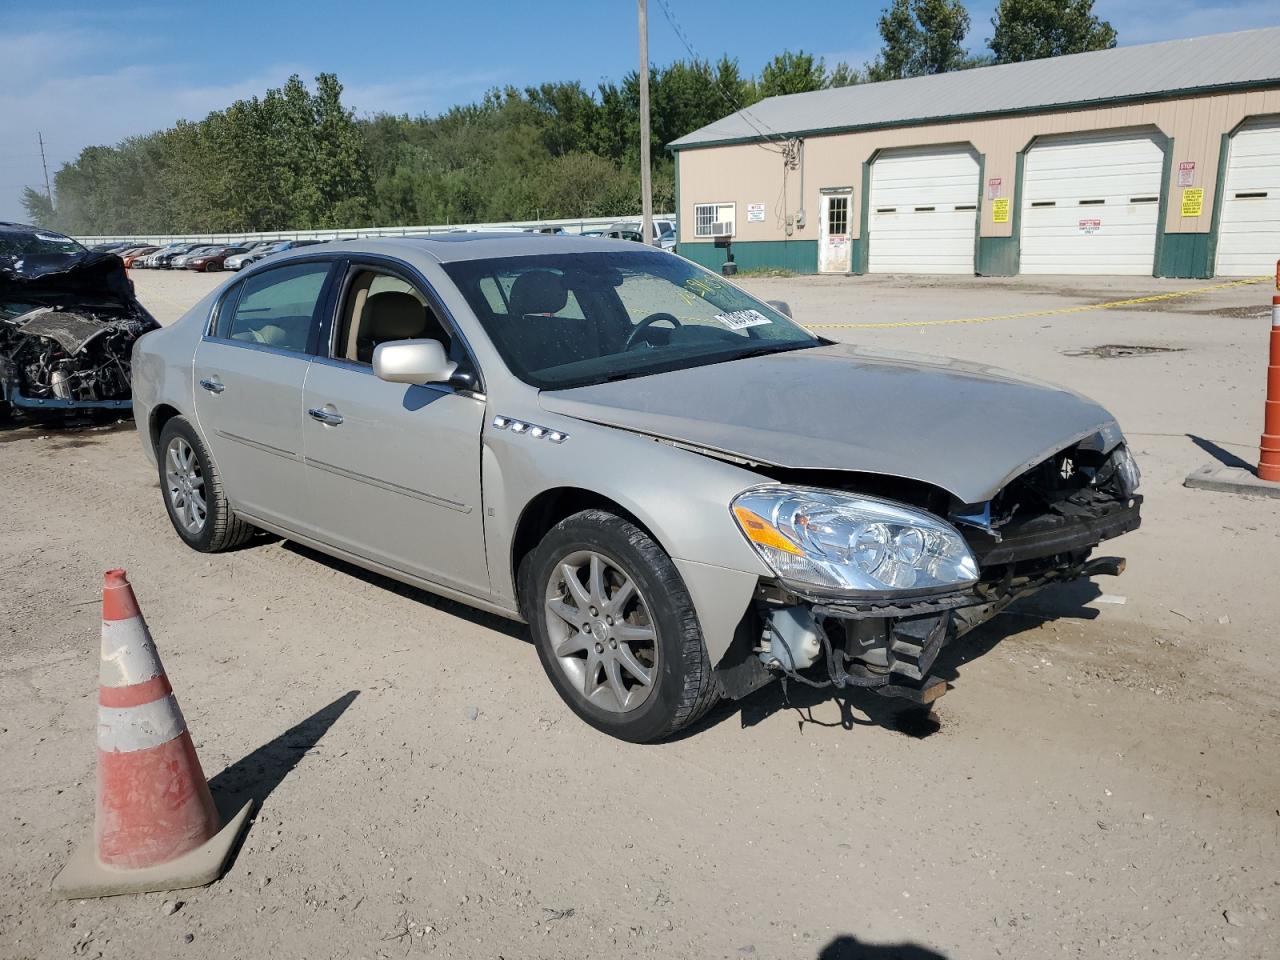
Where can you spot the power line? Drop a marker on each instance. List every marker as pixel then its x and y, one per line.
pixel 751 119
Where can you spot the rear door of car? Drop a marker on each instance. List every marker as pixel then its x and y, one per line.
pixel 249 372
pixel 393 470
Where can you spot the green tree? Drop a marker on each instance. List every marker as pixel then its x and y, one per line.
pixel 921 37
pixel 843 75
pixel 38 206
pixel 1033 29
pixel 789 72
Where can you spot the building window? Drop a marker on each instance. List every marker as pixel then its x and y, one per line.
pixel 706 214
pixel 837 216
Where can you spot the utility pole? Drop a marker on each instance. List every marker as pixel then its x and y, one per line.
pixel 646 187
pixel 47 192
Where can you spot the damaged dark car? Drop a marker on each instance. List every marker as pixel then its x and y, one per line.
pixel 68 322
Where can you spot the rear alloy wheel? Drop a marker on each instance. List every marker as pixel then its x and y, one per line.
pixel 615 628
pixel 192 489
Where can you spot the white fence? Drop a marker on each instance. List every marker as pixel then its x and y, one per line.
pixel 569 226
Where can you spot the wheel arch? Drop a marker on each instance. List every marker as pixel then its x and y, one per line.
pixel 161 414
pixel 549 507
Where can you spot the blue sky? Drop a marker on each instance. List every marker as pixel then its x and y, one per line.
pixel 90 72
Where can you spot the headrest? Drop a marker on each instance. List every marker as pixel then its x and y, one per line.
pixel 538 291
pixel 393 315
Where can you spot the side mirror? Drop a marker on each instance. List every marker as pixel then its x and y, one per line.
pixel 412 361
pixel 782 307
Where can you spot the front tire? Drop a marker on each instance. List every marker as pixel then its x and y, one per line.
pixel 616 629
pixel 193 494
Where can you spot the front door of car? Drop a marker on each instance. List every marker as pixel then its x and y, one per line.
pixel 249 374
pixel 393 470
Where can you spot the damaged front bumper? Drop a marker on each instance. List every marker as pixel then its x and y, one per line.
pixel 892 647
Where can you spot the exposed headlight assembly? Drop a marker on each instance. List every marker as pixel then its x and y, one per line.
pixel 850 545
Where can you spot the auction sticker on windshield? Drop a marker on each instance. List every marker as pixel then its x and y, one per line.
pixel 741 319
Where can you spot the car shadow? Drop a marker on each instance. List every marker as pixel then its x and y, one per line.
pixel 861 707
pixel 425 597
pixel 849 947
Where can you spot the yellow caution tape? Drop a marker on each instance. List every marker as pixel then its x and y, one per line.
pixel 1053 312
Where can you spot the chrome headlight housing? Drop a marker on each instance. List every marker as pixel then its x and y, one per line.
pixel 845 544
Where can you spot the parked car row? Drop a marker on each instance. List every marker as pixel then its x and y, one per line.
pixel 200 257
pixel 235 256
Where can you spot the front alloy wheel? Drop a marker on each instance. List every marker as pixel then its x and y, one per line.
pixel 615 628
pixel 601 631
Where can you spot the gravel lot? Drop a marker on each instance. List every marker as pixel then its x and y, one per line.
pixel 1102 781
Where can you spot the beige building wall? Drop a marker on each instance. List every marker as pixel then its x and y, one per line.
pixel 753 173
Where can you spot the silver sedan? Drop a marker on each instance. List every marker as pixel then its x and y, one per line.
pixel 682 492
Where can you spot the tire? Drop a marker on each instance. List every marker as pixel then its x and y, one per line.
pixel 221 529
pixel 682 685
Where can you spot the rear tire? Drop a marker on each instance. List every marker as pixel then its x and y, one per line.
pixel 192 490
pixel 656 624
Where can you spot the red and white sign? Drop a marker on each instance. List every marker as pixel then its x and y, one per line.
pixel 1186 173
pixel 993 187
pixel 1090 226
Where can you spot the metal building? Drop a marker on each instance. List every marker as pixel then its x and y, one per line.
pixel 1161 159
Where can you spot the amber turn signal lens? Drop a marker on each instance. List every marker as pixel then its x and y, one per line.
pixel 759 530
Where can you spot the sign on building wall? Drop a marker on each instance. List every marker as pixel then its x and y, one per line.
pixel 1192 201
pixel 755 213
pixel 993 187
pixel 1186 173
pixel 1092 225
pixel 1000 210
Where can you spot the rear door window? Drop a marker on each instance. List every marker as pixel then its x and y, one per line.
pixel 277 308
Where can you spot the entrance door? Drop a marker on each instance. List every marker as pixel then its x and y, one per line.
pixel 1249 238
pixel 924 203
pixel 834 246
pixel 1090 204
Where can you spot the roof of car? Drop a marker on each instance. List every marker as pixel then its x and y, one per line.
pixel 454 247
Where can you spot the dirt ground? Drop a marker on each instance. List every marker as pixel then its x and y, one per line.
pixel 1102 781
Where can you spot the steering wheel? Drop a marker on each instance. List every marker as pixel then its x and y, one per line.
pixel 646 323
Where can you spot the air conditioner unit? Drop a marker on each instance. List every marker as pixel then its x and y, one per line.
pixel 722 229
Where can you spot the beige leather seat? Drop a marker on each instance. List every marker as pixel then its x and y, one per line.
pixel 393 315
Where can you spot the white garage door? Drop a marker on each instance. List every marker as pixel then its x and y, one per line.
pixel 923 210
pixel 1249 234
pixel 1091 204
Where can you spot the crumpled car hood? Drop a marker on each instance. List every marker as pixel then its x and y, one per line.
pixel 966 428
pixel 96 277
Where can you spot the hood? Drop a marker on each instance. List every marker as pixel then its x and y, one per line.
pixel 966 428
pixel 97 278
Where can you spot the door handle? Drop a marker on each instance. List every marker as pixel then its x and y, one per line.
pixel 213 386
pixel 324 416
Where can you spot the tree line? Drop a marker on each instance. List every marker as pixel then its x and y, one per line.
pixel 300 159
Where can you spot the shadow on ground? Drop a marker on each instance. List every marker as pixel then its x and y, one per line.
pixel 256 776
pixel 848 947
pixel 416 594
pixel 1224 457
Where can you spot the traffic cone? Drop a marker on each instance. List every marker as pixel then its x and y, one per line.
pixel 155 824
pixel 1269 455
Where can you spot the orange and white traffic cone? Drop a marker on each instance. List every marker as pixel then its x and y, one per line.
pixel 1269 454
pixel 155 825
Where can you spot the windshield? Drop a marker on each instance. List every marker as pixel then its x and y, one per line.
pixel 567 320
pixel 17 243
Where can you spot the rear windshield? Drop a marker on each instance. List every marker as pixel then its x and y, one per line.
pixel 567 320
